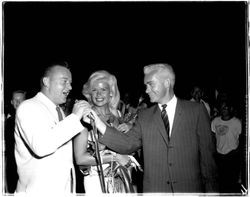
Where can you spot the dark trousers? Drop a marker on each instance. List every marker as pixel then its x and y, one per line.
pixel 11 174
pixel 229 168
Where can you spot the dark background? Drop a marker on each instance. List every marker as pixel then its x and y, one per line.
pixel 205 42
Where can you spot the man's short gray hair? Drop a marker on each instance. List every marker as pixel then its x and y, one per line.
pixel 163 69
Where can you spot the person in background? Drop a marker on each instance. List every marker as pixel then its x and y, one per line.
pixel 143 102
pixel 197 95
pixel 18 96
pixel 129 110
pixel 11 176
pixel 102 92
pixel 43 136
pixel 227 129
pixel 221 97
pixel 178 151
pixel 122 107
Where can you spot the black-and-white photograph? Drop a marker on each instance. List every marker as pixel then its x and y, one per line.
pixel 136 97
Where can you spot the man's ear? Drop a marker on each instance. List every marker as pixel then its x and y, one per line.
pixel 167 83
pixel 46 81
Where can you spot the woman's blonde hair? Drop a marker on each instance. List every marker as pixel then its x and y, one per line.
pixel 105 76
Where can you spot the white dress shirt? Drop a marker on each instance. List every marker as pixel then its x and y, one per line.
pixel 170 109
pixel 43 148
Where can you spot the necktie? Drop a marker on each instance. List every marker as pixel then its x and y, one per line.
pixel 60 116
pixel 164 116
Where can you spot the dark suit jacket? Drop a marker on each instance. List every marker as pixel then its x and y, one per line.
pixel 185 163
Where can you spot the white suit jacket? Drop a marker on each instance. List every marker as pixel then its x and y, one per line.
pixel 43 147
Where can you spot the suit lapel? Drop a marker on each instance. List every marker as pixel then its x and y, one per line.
pixel 159 123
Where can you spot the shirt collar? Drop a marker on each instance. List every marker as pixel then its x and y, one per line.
pixel 172 102
pixel 46 100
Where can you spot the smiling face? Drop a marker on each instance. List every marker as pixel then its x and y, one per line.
pixel 58 84
pixel 100 93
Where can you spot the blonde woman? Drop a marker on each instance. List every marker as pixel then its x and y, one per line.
pixel 103 95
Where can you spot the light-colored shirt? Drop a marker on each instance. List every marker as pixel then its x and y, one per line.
pixel 170 109
pixel 43 148
pixel 227 134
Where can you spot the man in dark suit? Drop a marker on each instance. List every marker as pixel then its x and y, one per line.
pixel 178 158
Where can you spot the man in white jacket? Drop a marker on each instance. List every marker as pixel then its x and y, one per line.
pixel 43 148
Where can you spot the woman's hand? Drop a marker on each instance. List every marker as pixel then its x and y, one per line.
pixel 124 127
pixel 101 146
pixel 122 159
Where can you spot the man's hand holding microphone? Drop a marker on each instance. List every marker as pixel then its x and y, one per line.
pixel 83 110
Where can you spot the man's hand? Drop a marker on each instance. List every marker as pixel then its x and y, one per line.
pixel 79 108
pixel 124 127
pixel 89 114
